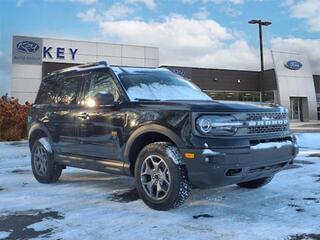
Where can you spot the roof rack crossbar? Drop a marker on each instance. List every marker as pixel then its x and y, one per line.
pixel 82 67
pixel 104 63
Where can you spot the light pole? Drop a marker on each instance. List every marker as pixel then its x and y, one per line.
pixel 261 23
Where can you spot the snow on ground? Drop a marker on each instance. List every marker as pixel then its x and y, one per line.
pixel 87 205
pixel 308 140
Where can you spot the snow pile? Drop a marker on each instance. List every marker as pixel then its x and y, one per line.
pixel 308 140
pixel 165 92
pixel 209 152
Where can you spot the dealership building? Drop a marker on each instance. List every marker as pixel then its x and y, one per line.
pixel 33 58
pixel 290 83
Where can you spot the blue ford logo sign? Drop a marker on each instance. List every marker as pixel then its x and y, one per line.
pixel 27 47
pixel 293 65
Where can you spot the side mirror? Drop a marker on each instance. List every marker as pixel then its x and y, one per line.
pixel 104 99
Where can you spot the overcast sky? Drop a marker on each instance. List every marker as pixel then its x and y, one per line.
pixel 202 33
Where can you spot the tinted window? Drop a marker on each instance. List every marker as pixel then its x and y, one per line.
pixel 70 88
pixel 102 82
pixel 48 91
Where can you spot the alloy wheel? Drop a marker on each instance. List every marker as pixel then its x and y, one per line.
pixel 155 177
pixel 40 160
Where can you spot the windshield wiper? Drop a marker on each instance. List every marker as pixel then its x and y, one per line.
pixel 146 99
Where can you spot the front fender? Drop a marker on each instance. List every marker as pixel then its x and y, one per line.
pixel 151 128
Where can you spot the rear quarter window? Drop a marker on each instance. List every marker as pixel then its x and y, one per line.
pixel 48 91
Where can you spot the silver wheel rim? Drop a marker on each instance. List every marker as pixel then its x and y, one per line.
pixel 40 160
pixel 155 177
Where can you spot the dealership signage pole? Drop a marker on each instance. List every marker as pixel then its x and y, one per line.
pixel 261 23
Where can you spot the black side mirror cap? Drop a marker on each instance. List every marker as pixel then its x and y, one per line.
pixel 104 99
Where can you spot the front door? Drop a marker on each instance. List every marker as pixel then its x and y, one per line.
pixel 100 128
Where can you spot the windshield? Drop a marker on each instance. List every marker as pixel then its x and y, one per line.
pixel 158 84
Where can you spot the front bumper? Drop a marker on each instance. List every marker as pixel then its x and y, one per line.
pixel 225 166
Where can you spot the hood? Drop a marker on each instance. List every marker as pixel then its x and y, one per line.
pixel 214 106
pixel 231 106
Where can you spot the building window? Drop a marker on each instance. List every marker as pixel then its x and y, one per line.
pixel 244 96
pixel 318 105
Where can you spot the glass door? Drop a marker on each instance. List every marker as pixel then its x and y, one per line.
pixel 295 108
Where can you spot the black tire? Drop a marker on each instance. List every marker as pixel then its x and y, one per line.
pixel 52 171
pixel 256 183
pixel 171 168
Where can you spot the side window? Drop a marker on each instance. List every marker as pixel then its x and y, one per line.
pixel 48 91
pixel 102 82
pixel 70 89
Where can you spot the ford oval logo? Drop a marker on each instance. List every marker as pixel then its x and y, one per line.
pixel 293 65
pixel 27 47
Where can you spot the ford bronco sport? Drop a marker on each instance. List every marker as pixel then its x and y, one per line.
pixel 157 127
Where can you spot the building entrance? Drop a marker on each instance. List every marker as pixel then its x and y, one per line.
pixel 298 108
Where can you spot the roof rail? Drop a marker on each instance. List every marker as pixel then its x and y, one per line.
pixel 78 68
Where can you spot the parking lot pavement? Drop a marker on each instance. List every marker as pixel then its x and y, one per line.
pixel 303 127
pixel 91 205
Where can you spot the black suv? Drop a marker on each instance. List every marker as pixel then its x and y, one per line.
pixel 154 125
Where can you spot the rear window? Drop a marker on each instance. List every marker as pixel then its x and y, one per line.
pixel 48 90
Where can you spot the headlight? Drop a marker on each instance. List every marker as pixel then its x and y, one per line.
pixel 205 125
pixel 218 125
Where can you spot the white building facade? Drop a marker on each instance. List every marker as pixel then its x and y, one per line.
pixel 33 58
pixel 296 85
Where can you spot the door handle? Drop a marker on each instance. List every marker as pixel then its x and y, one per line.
pixel 84 115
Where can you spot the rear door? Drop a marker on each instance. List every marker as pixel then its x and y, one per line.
pixel 68 104
pixel 100 127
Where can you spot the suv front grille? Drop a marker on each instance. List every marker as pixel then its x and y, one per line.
pixel 273 122
pixel 270 115
pixel 267 129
